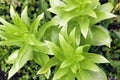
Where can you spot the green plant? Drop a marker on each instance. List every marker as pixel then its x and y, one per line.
pixel 25 35
pixel 69 49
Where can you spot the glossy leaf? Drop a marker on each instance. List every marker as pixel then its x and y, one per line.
pixel 101 36
pixel 23 56
pixel 52 62
pixel 67 48
pixel 86 64
pixel 24 16
pixel 90 75
pixel 56 50
pixel 40 58
pixel 96 58
pixel 60 73
pixel 12 57
pixel 34 25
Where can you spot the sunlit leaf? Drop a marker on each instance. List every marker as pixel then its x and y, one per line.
pixel 23 56
pixel 96 58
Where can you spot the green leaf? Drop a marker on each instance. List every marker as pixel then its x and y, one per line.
pixel 84 26
pixel 56 50
pixel 96 58
pixel 89 12
pixel 25 54
pixel 44 27
pixel 12 57
pixel 90 75
pixel 117 33
pixel 32 40
pixel 88 39
pixel 68 16
pixel 68 76
pixel 101 36
pixel 24 16
pixel 71 61
pixel 34 25
pixel 17 20
pixel 80 50
pixel 11 42
pixel 67 48
pixel 40 58
pixel 107 7
pixel 101 16
pixel 52 62
pixel 55 3
pixel 72 38
pixel 67 62
pixel 86 64
pixel 75 67
pixel 60 73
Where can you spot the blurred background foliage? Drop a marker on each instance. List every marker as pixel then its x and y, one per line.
pixel 35 7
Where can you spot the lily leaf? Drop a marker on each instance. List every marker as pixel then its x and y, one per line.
pixel 96 58
pixel 101 36
pixel 25 54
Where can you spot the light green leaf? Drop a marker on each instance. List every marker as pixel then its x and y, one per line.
pixel 56 3
pixel 72 38
pixel 25 54
pixel 44 27
pixel 89 12
pixel 56 50
pixel 71 61
pixel 67 62
pixel 86 64
pixel 68 76
pixel 52 62
pixel 60 73
pixel 84 26
pixel 13 13
pixel 75 67
pixel 68 16
pixel 34 25
pixel 24 16
pixel 40 58
pixel 80 50
pixel 17 20
pixel 12 57
pixel 107 7
pixel 96 58
pixel 90 75
pixel 67 48
pixel 101 36
pixel 32 40
pixel 11 42
pixel 101 16
pixel 88 39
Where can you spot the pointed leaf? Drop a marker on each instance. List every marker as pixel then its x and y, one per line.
pixel 34 25
pixel 84 26
pixel 67 48
pixel 86 64
pixel 52 62
pixel 40 58
pixel 72 38
pixel 60 73
pixel 23 56
pixel 56 50
pixel 12 57
pixel 96 58
pixel 101 36
pixel 90 75
pixel 24 16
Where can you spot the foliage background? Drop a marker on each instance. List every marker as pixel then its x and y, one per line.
pixel 35 7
